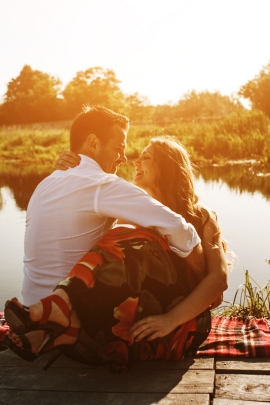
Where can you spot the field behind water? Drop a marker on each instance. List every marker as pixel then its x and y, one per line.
pixel 238 136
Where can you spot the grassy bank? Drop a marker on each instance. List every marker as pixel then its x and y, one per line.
pixel 36 143
pixel 250 300
pixel 239 136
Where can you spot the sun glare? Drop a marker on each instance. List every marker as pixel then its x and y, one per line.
pixel 160 49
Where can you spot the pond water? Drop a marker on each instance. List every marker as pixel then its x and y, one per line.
pixel 240 198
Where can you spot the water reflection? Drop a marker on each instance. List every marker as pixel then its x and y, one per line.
pixel 236 195
pixel 22 180
pixel 242 177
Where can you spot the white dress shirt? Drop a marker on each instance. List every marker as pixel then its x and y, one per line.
pixel 71 210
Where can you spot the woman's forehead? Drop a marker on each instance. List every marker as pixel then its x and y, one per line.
pixel 149 149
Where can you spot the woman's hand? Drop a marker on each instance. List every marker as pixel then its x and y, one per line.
pixel 151 327
pixel 66 160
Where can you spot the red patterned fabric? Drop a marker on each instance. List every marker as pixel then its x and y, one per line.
pixel 249 337
pixel 131 274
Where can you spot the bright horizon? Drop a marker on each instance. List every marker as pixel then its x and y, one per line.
pixel 160 49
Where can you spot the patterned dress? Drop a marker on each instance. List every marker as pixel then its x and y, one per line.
pixel 130 274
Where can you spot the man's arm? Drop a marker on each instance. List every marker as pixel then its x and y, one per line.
pixel 133 205
pixel 121 199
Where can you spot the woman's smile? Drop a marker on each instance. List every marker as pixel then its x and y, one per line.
pixel 146 171
pixel 138 173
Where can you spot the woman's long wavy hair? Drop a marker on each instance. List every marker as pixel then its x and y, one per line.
pixel 175 182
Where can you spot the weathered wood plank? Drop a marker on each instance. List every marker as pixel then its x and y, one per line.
pixel 12 360
pixel 189 363
pixel 243 387
pixel 82 398
pixel 219 401
pixel 242 365
pixel 99 380
pixel 147 383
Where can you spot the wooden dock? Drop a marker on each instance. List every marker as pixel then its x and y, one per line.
pixel 195 381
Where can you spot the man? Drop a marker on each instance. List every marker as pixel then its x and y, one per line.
pixel 71 210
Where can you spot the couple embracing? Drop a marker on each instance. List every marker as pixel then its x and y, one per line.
pixel 103 290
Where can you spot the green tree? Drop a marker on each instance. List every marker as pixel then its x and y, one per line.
pixel 33 96
pixel 93 86
pixel 258 91
pixel 164 114
pixel 205 105
pixel 138 108
pixel 197 106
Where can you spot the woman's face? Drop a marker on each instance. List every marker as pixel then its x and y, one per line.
pixel 146 171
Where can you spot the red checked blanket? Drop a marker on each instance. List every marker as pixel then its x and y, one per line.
pixel 249 337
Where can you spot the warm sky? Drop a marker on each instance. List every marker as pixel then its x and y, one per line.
pixel 158 48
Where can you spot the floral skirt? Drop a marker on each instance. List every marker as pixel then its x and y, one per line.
pixel 130 274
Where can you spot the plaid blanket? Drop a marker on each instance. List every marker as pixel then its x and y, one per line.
pixel 249 337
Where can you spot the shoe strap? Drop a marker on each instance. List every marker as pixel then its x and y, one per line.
pixel 47 307
pixel 73 332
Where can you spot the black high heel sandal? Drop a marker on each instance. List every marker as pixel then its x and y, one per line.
pixel 54 330
pixel 18 318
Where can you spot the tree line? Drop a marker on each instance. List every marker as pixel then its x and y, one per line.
pixel 35 96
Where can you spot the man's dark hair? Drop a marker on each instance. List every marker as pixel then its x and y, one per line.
pixel 97 120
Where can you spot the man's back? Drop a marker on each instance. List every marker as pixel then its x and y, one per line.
pixel 62 224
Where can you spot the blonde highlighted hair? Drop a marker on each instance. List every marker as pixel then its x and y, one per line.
pixel 176 176
pixel 175 182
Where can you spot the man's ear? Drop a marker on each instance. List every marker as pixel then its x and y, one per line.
pixel 93 144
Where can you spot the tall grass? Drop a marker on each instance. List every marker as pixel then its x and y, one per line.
pixel 250 300
pixel 40 143
pixel 238 136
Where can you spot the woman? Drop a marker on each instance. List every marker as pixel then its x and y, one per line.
pixel 131 296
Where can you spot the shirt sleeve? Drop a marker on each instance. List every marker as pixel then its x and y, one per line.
pixel 121 199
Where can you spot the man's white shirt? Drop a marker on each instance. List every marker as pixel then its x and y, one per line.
pixel 71 210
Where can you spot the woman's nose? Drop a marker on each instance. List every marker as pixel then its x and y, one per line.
pixel 137 161
pixel 123 157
